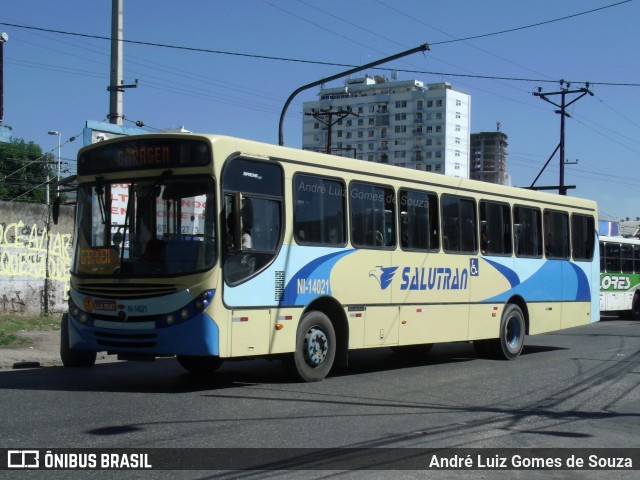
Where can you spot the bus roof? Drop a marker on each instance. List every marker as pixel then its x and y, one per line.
pixel 228 145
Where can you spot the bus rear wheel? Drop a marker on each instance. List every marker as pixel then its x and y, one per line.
pixel 510 341
pixel 200 365
pixel 315 348
pixel 73 358
pixel 512 331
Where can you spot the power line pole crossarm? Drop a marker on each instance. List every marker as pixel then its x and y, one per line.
pixel 330 113
pixel 563 92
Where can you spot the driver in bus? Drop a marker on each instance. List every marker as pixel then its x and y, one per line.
pixel 247 225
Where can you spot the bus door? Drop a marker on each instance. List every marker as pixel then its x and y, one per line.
pixel 252 233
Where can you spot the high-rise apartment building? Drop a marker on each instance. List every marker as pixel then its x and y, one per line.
pixel 489 157
pixel 403 123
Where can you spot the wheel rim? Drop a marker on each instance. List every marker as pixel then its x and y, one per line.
pixel 513 332
pixel 316 346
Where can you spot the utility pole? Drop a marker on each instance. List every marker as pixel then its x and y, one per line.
pixel 115 93
pixel 3 38
pixel 329 113
pixel 563 92
pixel 117 86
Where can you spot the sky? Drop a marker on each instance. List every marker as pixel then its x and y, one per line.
pixel 227 67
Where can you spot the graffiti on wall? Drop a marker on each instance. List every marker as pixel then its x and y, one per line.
pixel 23 252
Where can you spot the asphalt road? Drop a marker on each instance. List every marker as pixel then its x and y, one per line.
pixel 577 388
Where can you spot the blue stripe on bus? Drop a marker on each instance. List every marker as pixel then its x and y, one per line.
pixel 320 268
pixel 554 281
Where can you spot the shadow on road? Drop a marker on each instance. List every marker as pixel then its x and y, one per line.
pixel 167 376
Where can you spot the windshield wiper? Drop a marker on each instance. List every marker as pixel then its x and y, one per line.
pixel 101 200
pixel 153 192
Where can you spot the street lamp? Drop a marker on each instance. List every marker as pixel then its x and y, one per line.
pixel 55 132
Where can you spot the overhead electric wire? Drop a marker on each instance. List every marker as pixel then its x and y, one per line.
pixel 334 64
pixel 488 77
pixel 546 22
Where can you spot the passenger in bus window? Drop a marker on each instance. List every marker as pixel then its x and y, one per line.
pixel 247 226
pixel 247 223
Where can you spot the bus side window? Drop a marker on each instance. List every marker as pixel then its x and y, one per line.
pixel 627 258
pixel 495 228
pixel 319 210
pixel 582 237
pixel 372 209
pixel 556 234
pixel 612 257
pixel 527 231
pixel 418 220
pixel 459 224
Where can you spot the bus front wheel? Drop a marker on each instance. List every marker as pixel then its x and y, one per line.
pixel 73 358
pixel 315 347
pixel 199 365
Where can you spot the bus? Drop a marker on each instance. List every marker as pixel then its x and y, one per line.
pixel 620 276
pixel 212 248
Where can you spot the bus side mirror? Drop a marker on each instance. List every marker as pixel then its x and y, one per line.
pixel 55 210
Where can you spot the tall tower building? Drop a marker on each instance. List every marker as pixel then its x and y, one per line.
pixel 403 123
pixel 489 157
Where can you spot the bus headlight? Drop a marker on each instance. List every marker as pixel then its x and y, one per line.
pixel 188 311
pixel 73 308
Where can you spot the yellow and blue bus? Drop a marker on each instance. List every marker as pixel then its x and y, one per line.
pixel 620 276
pixel 211 248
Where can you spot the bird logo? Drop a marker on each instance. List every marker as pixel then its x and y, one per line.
pixel 384 275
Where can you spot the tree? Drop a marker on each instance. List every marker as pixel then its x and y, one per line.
pixel 23 171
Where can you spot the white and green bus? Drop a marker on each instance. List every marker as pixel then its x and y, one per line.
pixel 212 248
pixel 620 276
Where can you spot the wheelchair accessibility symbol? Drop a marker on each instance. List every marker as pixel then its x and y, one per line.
pixel 474 267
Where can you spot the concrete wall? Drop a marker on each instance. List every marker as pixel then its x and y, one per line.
pixel 32 262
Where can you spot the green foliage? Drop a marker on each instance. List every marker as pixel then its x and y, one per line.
pixel 22 171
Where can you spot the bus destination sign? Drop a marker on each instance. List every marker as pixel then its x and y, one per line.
pixel 143 154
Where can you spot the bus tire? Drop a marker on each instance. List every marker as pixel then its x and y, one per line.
pixel 200 364
pixel 512 332
pixel 635 307
pixel 315 347
pixel 73 358
pixel 510 341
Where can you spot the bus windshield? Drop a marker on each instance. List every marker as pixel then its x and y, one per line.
pixel 152 226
